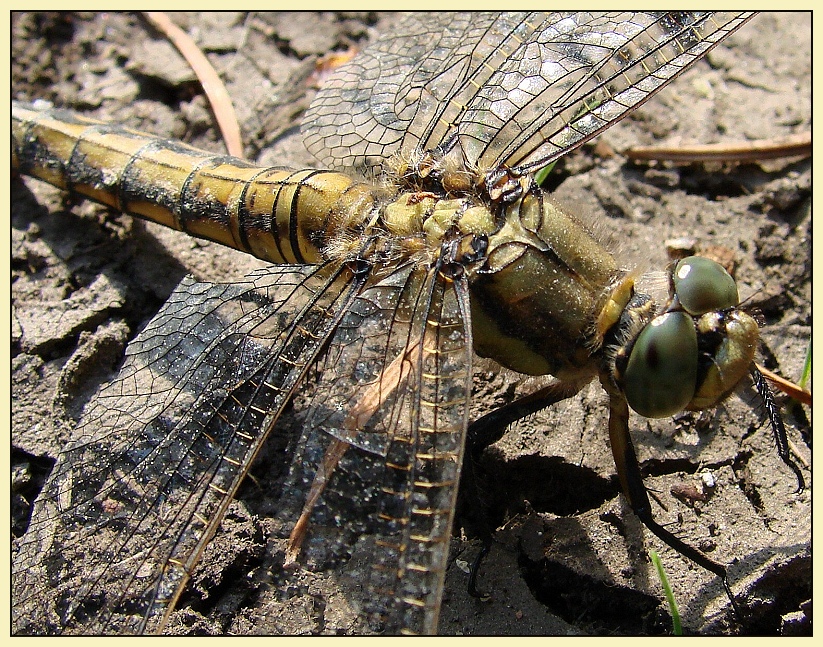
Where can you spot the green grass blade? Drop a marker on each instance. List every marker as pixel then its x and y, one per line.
pixel 677 630
pixel 807 367
pixel 543 173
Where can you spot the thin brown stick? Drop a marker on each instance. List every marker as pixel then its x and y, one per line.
pixel 334 452
pixel 789 388
pixel 799 145
pixel 216 93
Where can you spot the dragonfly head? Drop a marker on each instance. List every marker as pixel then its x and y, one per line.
pixel 694 353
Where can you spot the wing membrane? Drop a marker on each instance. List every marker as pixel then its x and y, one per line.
pixel 133 500
pixel 394 92
pixel 396 386
pixel 502 89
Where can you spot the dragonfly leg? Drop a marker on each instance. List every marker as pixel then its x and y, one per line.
pixel 490 428
pixel 780 438
pixel 631 482
pixel 475 568
pixel 486 431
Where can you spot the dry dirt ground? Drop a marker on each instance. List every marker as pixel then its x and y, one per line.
pixel 569 557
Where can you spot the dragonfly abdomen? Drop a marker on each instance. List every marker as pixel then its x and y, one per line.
pixel 278 215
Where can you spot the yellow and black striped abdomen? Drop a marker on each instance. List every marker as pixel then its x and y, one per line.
pixel 278 215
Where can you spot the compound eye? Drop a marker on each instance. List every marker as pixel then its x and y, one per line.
pixel 661 374
pixel 702 285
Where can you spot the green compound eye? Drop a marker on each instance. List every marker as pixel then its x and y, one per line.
pixel 702 285
pixel 661 375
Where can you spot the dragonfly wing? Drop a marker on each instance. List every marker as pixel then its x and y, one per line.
pixel 394 386
pixel 576 76
pixel 393 92
pixel 159 453
pixel 515 89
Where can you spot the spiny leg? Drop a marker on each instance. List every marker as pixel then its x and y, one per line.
pixel 780 437
pixel 486 431
pixel 490 428
pixel 631 482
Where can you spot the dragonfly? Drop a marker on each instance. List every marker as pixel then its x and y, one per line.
pixel 387 321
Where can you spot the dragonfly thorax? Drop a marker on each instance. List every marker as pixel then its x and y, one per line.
pixel 536 296
pixel 549 299
pixel 419 223
pixel 447 174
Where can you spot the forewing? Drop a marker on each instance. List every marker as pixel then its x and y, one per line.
pixel 131 502
pixel 576 76
pixel 395 385
pixel 502 89
pixel 394 91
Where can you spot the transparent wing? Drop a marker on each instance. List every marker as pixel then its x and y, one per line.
pixel 395 387
pixel 502 89
pixel 390 93
pixel 123 519
pixel 159 453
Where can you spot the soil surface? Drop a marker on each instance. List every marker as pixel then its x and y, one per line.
pixel 569 557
